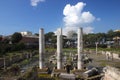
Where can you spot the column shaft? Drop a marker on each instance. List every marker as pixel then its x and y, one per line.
pixel 41 47
pixel 59 49
pixel 80 47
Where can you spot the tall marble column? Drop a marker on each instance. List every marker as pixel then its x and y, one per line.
pixel 80 47
pixel 41 47
pixel 59 49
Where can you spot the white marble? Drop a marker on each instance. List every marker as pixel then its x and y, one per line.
pixel 80 47
pixel 41 47
pixel 59 49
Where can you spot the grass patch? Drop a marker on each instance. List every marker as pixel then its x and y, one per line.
pixel 47 77
pixel 61 70
pixel 104 63
pixel 44 75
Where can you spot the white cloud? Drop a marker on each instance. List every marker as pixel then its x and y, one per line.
pixel 35 2
pixel 75 17
pixel 87 30
pixel 86 17
pixel 57 32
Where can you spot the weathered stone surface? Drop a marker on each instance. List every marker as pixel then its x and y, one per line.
pixel 41 47
pixel 91 72
pixel 59 49
pixel 112 73
pixel 80 47
pixel 67 76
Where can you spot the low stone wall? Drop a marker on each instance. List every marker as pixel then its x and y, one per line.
pixel 111 54
pixel 112 73
pixel 116 56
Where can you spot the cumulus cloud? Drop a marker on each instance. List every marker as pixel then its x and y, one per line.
pixel 88 29
pixel 75 17
pixel 35 2
pixel 58 31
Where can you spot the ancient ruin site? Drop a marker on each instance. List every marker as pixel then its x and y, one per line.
pixel 59 40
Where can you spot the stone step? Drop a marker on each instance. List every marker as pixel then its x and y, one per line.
pixel 67 76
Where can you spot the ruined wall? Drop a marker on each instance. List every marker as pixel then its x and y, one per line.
pixel 111 54
pixel 112 73
pixel 116 56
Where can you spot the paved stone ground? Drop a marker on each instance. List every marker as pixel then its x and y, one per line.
pixel 65 76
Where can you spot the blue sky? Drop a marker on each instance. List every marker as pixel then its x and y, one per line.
pixel 30 15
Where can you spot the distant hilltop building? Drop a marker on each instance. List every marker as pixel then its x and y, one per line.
pixel 116 30
pixel 29 39
pixel 26 33
pixel 117 38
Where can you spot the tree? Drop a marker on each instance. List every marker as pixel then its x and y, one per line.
pixel 110 35
pixel 17 47
pixel 100 36
pixel 50 39
pixel 48 36
pixel 71 34
pixel 36 34
pixel 0 38
pixel 16 37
